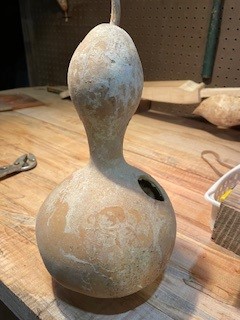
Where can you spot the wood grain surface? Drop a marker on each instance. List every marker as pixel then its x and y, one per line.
pixel 202 279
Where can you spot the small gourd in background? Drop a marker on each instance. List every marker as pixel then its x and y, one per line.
pixel 221 110
pixel 108 230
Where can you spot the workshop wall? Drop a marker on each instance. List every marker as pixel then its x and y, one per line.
pixel 13 65
pixel 170 36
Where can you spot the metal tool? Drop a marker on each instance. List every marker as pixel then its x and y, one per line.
pixel 23 163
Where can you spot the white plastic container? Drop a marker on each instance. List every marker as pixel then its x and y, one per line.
pixel 226 182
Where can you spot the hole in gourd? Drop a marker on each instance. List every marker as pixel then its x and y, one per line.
pixel 150 189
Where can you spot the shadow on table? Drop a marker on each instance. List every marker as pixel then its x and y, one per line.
pixel 98 306
pixel 231 134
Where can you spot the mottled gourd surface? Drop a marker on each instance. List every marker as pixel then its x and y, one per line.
pixel 105 79
pixel 107 230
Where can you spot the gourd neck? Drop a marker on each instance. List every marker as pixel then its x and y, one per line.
pixel 105 150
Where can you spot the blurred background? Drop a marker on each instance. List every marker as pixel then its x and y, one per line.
pixel 170 35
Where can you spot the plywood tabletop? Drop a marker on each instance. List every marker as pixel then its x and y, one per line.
pixel 202 279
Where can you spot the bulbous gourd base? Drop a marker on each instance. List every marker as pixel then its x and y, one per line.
pixel 106 233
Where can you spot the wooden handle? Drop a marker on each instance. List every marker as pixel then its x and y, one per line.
pixel 212 39
pixel 208 92
pixel 182 91
pixel 178 91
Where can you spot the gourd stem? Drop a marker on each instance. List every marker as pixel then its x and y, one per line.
pixel 115 12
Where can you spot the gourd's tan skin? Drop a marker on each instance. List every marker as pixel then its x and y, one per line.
pixel 221 110
pixel 98 232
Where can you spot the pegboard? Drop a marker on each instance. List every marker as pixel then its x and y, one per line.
pixel 170 36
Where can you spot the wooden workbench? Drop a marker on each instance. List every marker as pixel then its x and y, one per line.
pixel 202 280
